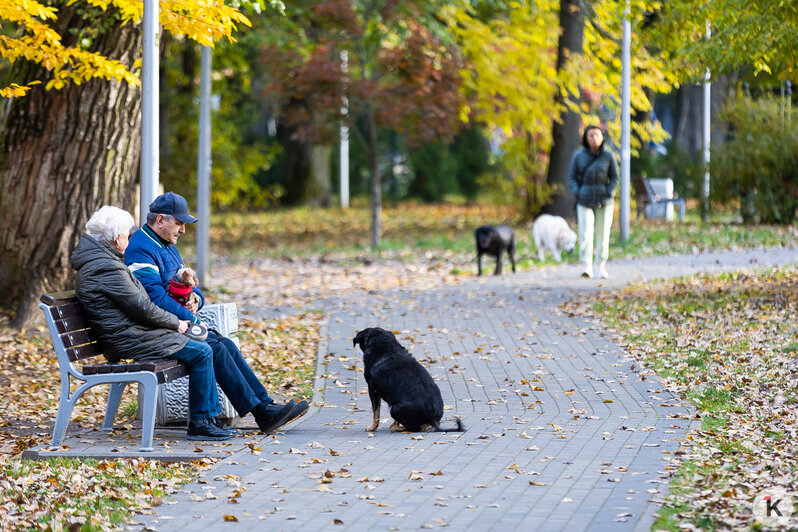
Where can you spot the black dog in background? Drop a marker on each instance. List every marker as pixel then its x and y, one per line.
pixel 495 241
pixel 393 375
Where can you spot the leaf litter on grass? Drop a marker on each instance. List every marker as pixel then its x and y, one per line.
pixel 729 344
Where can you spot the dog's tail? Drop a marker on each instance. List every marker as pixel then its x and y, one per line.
pixel 460 427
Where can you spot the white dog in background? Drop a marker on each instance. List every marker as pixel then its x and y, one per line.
pixel 553 233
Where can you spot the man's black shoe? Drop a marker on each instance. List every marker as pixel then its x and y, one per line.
pixel 299 408
pixel 206 430
pixel 272 416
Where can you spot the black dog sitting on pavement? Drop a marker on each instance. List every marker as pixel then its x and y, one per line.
pixel 495 241
pixel 393 375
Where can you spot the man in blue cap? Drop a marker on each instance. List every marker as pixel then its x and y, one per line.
pixel 153 259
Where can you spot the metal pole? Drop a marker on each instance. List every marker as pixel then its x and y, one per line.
pixel 625 124
pixel 204 168
pixel 789 104
pixel 149 108
pixel 707 118
pixel 781 99
pixel 344 157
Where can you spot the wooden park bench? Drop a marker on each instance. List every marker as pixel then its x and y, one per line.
pixel 645 195
pixel 74 341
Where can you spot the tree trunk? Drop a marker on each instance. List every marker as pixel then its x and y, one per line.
pixel 687 132
pixel 320 183
pixel 63 154
pixel 689 115
pixel 376 182
pixel 565 132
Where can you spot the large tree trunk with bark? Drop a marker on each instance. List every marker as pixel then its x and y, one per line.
pixel 320 190
pixel 63 154
pixel 565 132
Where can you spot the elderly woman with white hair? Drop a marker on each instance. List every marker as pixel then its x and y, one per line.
pixel 130 325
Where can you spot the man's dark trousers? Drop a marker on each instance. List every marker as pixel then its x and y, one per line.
pixel 234 375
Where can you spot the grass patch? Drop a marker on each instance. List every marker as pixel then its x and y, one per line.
pixel 282 352
pixel 670 517
pixel 727 344
pixel 85 494
pixel 410 228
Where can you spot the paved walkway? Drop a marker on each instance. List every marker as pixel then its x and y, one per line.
pixel 562 433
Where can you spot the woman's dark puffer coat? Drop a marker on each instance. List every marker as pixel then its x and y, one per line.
pixel 593 177
pixel 126 322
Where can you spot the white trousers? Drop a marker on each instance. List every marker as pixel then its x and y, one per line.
pixel 594 224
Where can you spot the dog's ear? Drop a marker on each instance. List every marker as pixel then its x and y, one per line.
pixel 360 338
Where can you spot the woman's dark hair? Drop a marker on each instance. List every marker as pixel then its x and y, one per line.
pixel 584 137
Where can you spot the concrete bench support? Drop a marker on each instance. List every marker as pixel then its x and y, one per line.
pixel 172 405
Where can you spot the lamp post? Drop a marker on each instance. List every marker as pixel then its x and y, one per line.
pixel 204 168
pixel 344 152
pixel 149 109
pixel 707 117
pixel 625 124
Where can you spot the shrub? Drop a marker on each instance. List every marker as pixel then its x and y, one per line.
pixel 518 178
pixel 758 164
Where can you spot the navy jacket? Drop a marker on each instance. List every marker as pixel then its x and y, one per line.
pixel 593 177
pixel 154 263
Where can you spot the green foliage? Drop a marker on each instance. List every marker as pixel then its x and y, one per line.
pixel 442 169
pixel 237 157
pixel 520 179
pixel 470 150
pixel 435 172
pixel 758 164
pixel 760 35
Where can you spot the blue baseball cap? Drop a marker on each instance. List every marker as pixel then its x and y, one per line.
pixel 174 205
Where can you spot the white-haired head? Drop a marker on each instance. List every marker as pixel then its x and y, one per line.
pixel 110 222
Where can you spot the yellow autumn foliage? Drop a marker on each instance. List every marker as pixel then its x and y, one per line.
pixel 34 39
pixel 513 80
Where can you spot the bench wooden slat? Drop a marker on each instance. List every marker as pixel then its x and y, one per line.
pixel 76 323
pixel 59 298
pixel 75 338
pixel 83 351
pixel 158 365
pixel 70 310
pixel 95 369
pixel 165 370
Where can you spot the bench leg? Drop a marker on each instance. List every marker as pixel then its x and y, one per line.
pixel 148 399
pixel 114 398
pixel 681 210
pixel 61 421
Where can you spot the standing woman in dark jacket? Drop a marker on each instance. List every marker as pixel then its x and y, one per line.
pixel 593 177
pixel 129 325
